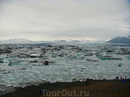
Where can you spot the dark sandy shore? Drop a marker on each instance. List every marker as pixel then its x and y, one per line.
pixel 34 91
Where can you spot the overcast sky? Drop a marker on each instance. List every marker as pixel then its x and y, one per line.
pixel 64 19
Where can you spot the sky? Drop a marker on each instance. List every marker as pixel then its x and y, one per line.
pixel 48 20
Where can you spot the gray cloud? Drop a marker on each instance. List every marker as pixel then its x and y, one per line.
pixel 64 19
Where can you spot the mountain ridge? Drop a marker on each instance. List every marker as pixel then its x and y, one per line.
pixel 124 40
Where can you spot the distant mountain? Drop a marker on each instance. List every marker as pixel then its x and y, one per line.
pixel 16 40
pixel 124 40
pixel 19 40
pixel 72 40
pixel 75 41
pixel 128 37
pixel 60 40
pixel 84 40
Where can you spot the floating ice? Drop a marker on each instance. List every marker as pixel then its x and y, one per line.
pixel 65 64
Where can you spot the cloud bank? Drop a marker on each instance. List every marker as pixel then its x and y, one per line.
pixel 64 19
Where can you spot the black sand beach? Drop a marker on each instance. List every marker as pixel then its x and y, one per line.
pixel 34 91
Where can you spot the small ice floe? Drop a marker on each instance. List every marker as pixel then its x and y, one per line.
pixel 95 63
pixel 23 86
pixel 2 90
pixel 119 64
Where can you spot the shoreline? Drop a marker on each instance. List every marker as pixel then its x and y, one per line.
pixel 33 90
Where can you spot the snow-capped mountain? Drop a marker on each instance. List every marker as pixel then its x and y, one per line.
pixel 60 40
pixel 16 40
pixel 82 40
pixel 19 40
pixel 128 37
pixel 124 40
